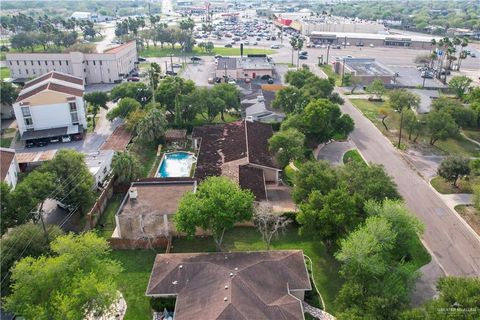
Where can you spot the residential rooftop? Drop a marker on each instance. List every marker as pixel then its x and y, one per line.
pixel 234 285
pixel 6 158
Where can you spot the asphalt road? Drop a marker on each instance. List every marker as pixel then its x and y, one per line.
pixel 452 245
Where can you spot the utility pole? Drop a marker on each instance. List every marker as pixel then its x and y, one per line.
pixel 343 70
pixel 171 62
pixel 328 52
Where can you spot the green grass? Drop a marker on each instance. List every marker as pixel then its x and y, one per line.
pixel 458 145
pixel 472 134
pixel 146 154
pixel 132 282
pixel 353 155
pixel 327 68
pixel 471 215
pixel 167 51
pixel 444 187
pixel 4 72
pixel 325 268
pixel 108 216
pixel 6 142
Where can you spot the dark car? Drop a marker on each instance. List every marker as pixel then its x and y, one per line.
pixel 141 59
pixel 228 45
pixel 265 77
pixel 195 58
pixel 134 74
pixel 77 137
pixel 54 139
pixel 302 57
pixel 171 73
pixel 29 144
pixel 41 143
pixel 304 53
pixel 218 56
pixel 270 81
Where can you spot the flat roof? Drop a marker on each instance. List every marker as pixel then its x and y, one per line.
pixel 119 48
pixel 368 67
pixel 374 36
pixel 252 63
pixel 155 197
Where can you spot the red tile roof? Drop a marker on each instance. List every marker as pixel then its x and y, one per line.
pixel 52 87
pixel 119 48
pixel 6 158
pixel 55 75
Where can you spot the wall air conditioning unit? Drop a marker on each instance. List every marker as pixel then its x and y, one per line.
pixel 132 193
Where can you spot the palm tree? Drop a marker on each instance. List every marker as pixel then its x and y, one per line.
pixel 125 167
pixel 293 43
pixel 152 127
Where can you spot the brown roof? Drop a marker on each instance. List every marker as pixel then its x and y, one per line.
pixel 156 197
pixel 118 140
pixel 258 134
pixel 52 87
pixel 55 75
pixel 119 48
pixel 29 157
pixel 6 158
pixel 223 143
pixel 253 179
pixel 234 285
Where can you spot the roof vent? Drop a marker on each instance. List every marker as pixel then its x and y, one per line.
pixel 249 118
pixel 260 98
pixel 174 282
pixel 225 299
pixel 231 274
pixel 236 269
pixel 181 266
pixel 132 193
pixel 226 287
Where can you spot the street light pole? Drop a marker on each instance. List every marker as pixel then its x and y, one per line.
pixel 328 51
pixel 343 70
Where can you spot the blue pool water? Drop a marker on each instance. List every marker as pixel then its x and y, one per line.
pixel 176 164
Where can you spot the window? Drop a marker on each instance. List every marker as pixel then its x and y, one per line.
pixel 53 63
pixel 31 62
pixel 26 112
pixel 66 62
pixel 46 62
pixel 26 71
pixel 10 62
pixel 74 117
pixel 73 106
pixel 28 122
pixel 38 62
pixel 60 62
pixel 100 62
pixel 94 63
pixel 24 62
pixel 18 63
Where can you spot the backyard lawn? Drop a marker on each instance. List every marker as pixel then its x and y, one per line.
pixel 353 155
pixel 458 145
pixel 325 269
pixel 472 134
pixel 6 142
pixel 4 72
pixel 167 51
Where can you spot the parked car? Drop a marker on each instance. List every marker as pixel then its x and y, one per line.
pixel 170 73
pixel 302 57
pixel 270 81
pixel 54 139
pixel 275 46
pixel 265 77
pixel 134 74
pixel 473 55
pixel 195 58
pixel 41 142
pixel 228 45
pixel 371 45
pixel 232 82
pixel 77 137
pixel 141 59
pixel 303 53
pixel 29 144
pixel 218 56
pixel 133 79
pixel 255 43
pixel 66 138
pixel 176 65
pixel 427 74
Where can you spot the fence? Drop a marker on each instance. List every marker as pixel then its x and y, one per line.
pixel 129 244
pixel 99 207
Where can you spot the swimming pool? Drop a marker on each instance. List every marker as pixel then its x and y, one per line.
pixel 176 164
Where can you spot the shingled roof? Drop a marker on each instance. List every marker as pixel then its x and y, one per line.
pixel 6 159
pixel 235 285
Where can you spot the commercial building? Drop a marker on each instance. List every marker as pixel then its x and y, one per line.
pixel 232 285
pixel 90 16
pixel 108 67
pixel 9 168
pixel 251 66
pixel 51 106
pixel 368 39
pixel 366 70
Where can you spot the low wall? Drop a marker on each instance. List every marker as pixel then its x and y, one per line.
pixel 99 207
pixel 129 244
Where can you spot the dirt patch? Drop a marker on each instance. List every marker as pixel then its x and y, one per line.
pixel 471 215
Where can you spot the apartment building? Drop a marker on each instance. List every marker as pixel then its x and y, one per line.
pixel 107 67
pixel 51 106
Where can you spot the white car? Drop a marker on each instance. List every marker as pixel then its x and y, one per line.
pixel 66 138
pixel 318 46
pixel 371 45
pixel 232 82
pixel 275 46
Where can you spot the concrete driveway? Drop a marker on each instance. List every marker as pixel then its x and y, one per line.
pixel 333 152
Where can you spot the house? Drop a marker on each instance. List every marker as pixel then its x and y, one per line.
pixel 9 167
pixel 147 210
pixel 239 68
pixel 51 106
pixel 100 165
pixel 257 104
pixel 108 67
pixel 229 149
pixel 232 285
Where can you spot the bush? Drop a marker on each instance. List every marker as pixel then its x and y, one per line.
pixel 292 216
pixel 159 304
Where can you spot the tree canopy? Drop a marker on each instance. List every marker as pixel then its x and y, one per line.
pixel 453 167
pixel 125 167
pixel 288 145
pixel 124 108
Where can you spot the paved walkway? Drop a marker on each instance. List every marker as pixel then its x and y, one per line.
pixel 333 152
pixel 316 312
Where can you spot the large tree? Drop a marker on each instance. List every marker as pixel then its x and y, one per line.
pixel 132 90
pixel 124 108
pixel 268 222
pixel 288 145
pixel 289 100
pixel 377 88
pixel 26 240
pixel 97 100
pixel 440 126
pixel 78 279
pixel 74 182
pixel 313 175
pixel 230 96
pixel 215 207
pixel 8 93
pixel 152 127
pixel 459 85
pixel 401 100
pixel 299 78
pixel 452 168
pixel 125 167
pixel 170 89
